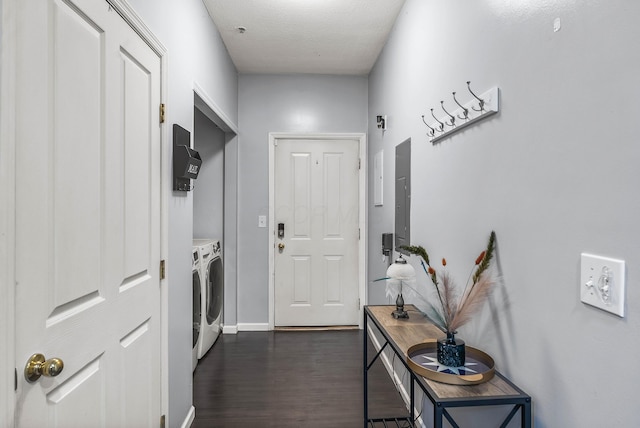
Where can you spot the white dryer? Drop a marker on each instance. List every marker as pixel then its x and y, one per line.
pixel 196 275
pixel 212 298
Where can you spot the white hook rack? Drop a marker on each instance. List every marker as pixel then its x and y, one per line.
pixel 478 108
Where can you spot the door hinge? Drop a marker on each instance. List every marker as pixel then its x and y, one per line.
pixel 359 163
pixel 162 269
pixel 162 109
pixel 358 303
pixel 15 380
pixel 162 421
pixel 358 234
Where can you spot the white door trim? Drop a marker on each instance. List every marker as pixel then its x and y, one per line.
pixel 7 201
pixel 230 225
pixel 362 207
pixel 7 212
pixel 214 113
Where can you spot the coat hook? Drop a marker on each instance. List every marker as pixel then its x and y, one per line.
pixel 441 127
pixel 432 131
pixel 480 100
pixel 465 111
pixel 452 117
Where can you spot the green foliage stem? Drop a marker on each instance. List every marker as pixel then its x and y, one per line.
pixel 420 251
pixel 484 264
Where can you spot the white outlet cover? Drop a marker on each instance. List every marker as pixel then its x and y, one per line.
pixel 591 268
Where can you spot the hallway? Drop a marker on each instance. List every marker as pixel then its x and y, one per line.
pixel 289 379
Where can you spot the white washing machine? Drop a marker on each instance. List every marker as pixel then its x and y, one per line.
pixel 196 275
pixel 212 293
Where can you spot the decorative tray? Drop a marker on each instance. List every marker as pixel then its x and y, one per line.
pixel 478 368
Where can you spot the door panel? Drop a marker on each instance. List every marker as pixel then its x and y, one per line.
pixel 136 372
pixel 301 281
pixel 73 401
pixel 74 35
pixel 87 216
pixel 136 116
pixel 301 218
pixel 316 197
pixel 331 190
pixel 333 284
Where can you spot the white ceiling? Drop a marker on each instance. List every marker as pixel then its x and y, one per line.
pixel 304 36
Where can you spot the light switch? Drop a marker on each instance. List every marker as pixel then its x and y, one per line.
pixel 262 221
pixel 602 283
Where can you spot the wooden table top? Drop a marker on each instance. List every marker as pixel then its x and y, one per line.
pixel 404 333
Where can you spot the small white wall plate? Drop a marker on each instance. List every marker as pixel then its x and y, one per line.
pixel 596 274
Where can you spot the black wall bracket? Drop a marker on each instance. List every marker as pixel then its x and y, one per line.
pixel 186 161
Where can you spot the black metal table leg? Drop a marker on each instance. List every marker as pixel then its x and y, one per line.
pixel 366 371
pixel 437 415
pixel 412 399
pixel 526 413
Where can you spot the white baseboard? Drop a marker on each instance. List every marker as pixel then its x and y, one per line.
pixel 395 376
pixel 253 326
pixel 230 329
pixel 190 418
pixel 245 326
pixel 389 366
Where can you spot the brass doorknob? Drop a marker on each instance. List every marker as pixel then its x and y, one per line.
pixel 37 366
pixel 281 246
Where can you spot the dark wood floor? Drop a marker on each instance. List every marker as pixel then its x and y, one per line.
pixel 290 379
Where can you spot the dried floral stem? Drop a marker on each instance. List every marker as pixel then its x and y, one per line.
pixel 472 303
pixel 466 286
pixel 431 272
pixel 484 264
pixel 449 298
pixel 432 312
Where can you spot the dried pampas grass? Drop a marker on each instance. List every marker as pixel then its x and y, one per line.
pixel 453 311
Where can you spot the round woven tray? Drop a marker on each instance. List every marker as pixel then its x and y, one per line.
pixel 479 366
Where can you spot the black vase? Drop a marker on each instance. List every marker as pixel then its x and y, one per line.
pixel 450 351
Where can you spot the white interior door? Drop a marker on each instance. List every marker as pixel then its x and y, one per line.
pixel 87 216
pixel 316 257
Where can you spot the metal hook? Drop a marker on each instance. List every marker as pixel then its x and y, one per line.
pixel 465 111
pixel 452 117
pixel 432 132
pixel 480 100
pixel 441 127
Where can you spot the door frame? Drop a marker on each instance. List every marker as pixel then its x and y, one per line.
pixel 7 212
pixel 361 138
pixel 204 103
pixel 8 173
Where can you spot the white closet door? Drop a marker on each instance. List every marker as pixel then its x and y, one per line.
pixel 87 216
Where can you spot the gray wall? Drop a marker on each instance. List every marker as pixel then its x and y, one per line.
pixel 554 174
pixel 195 54
pixel 268 103
pixel 208 193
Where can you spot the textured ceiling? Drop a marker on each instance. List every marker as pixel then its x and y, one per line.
pixel 304 36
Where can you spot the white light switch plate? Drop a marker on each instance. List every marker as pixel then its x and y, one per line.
pixel 262 221
pixel 593 282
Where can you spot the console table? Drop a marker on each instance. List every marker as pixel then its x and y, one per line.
pixel 400 335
